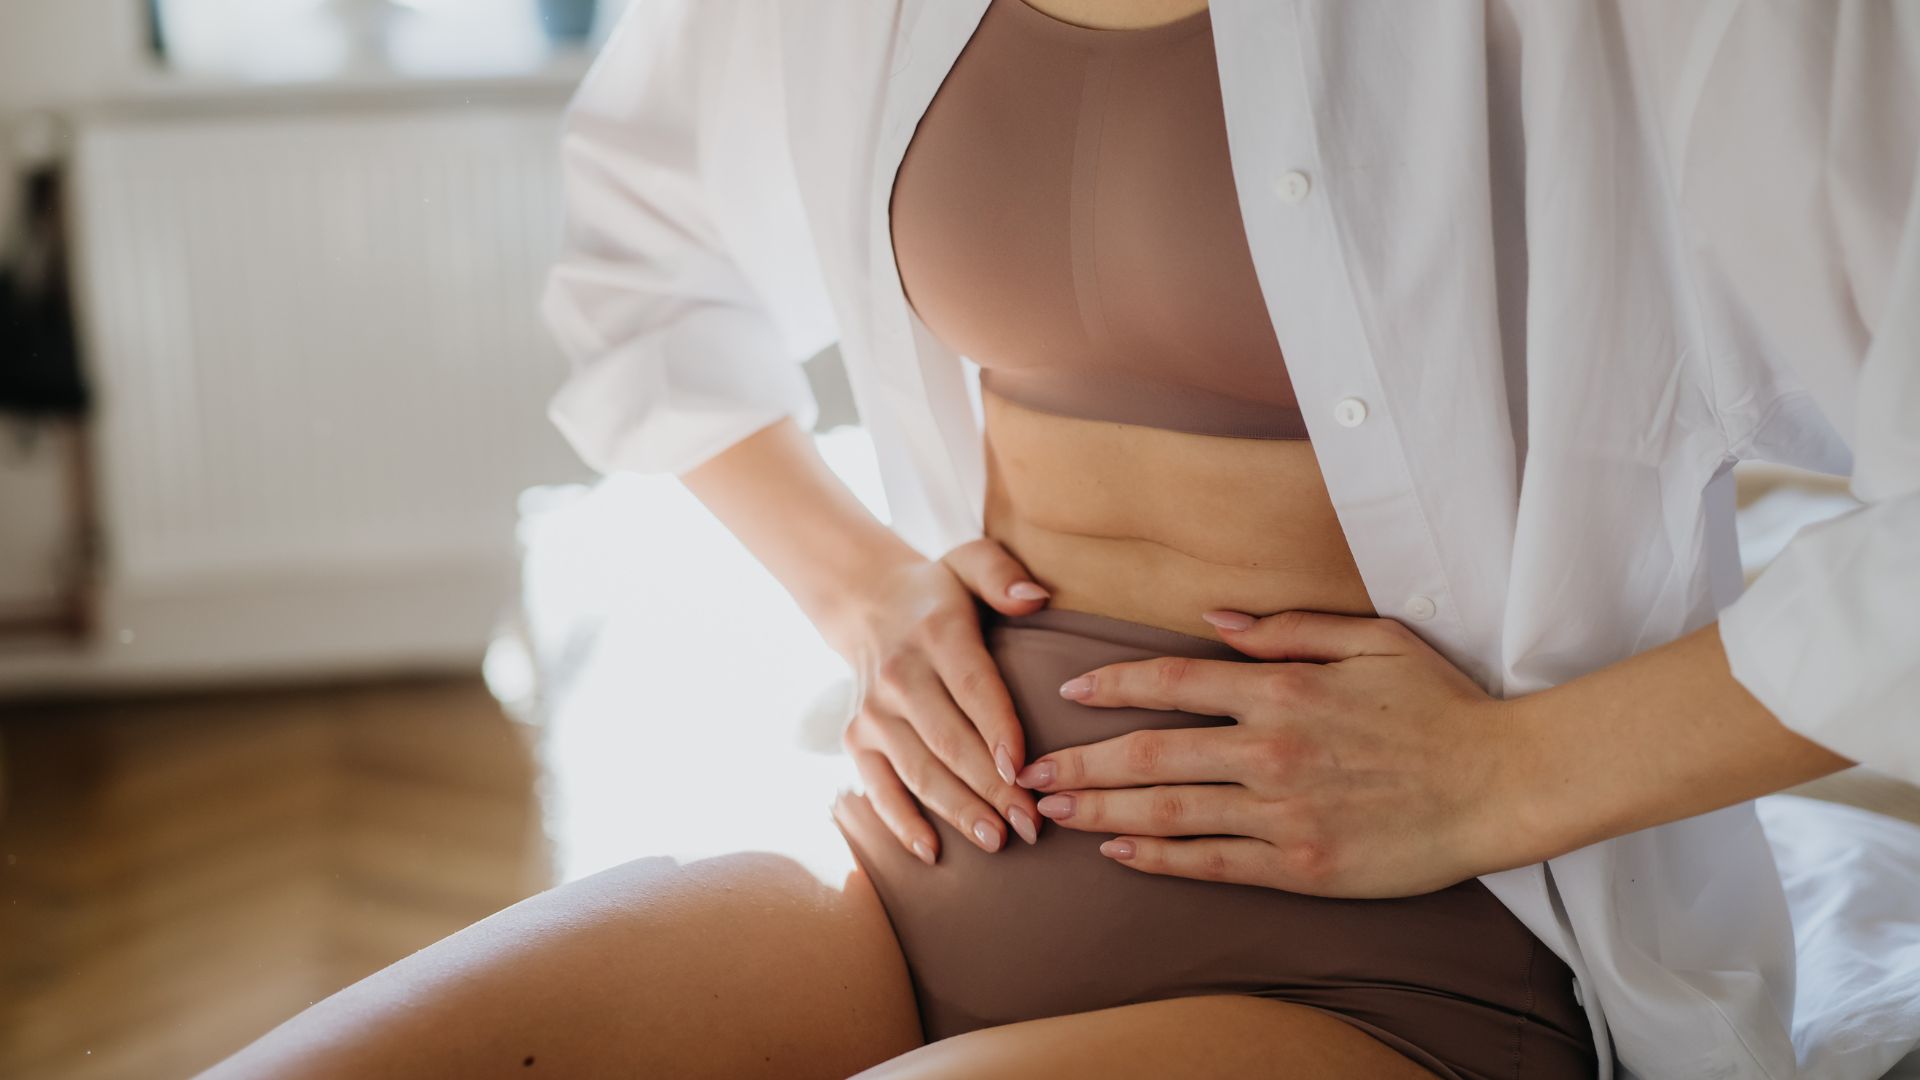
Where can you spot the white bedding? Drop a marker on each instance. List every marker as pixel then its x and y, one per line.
pixel 1853 885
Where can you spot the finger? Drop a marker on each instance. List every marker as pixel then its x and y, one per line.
pixel 989 572
pixel 937 788
pixel 1239 859
pixel 1313 636
pixel 890 799
pixel 1137 759
pixel 973 681
pixel 1205 687
pixel 1167 810
pixel 955 739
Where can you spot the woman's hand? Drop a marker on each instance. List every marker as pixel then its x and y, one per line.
pixel 1363 764
pixel 935 721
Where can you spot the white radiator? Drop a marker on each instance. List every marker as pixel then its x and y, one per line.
pixel 321 376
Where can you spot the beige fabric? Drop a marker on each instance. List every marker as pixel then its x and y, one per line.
pixel 1066 217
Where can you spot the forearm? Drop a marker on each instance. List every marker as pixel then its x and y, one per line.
pixel 1655 738
pixel 776 493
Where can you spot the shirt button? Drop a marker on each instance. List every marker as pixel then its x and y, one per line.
pixel 1420 608
pixel 1579 993
pixel 1350 412
pixel 1292 187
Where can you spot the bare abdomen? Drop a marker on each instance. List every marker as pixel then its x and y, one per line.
pixel 1156 526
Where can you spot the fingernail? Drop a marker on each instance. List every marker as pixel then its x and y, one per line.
pixel 1057 807
pixel 924 850
pixel 1026 590
pixel 988 835
pixel 1077 688
pixel 1038 774
pixel 1228 620
pixel 1117 849
pixel 1023 824
pixel 1003 761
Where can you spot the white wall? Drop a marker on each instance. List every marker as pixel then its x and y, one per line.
pixel 56 52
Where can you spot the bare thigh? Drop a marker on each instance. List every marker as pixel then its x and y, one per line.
pixel 1199 1037
pixel 738 966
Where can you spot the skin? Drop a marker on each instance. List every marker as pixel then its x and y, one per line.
pixel 747 966
pixel 1358 728
pixel 1157 526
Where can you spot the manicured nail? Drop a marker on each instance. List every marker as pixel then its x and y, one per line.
pixel 1003 761
pixel 1026 590
pixel 1038 774
pixel 1078 687
pixel 1117 849
pixel 988 835
pixel 1057 807
pixel 1023 824
pixel 924 850
pixel 1229 620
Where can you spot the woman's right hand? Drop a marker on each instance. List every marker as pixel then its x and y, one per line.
pixel 935 722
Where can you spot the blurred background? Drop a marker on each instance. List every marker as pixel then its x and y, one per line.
pixel 316 643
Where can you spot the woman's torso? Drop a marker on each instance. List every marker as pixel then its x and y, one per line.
pixel 1156 526
pixel 1066 216
pixel 1473 559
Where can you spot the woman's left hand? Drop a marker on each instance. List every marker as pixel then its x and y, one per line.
pixel 1363 764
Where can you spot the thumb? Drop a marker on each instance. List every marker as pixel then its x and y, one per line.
pixel 989 572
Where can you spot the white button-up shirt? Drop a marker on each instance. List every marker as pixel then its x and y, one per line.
pixel 1542 273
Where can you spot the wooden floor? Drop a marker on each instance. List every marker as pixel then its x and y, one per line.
pixel 180 875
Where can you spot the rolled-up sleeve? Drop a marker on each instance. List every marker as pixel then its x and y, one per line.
pixel 1804 178
pixel 675 352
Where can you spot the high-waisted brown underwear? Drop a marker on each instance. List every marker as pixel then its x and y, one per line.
pixel 1450 979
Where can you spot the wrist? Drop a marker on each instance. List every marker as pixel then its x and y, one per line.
pixel 1543 806
pixel 844 602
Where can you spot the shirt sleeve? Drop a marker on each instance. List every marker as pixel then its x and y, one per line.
pixel 1803 179
pixel 675 349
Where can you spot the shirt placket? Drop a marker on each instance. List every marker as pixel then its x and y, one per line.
pixel 936 501
pixel 1290 204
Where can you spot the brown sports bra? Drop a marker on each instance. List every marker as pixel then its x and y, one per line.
pixel 1065 216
